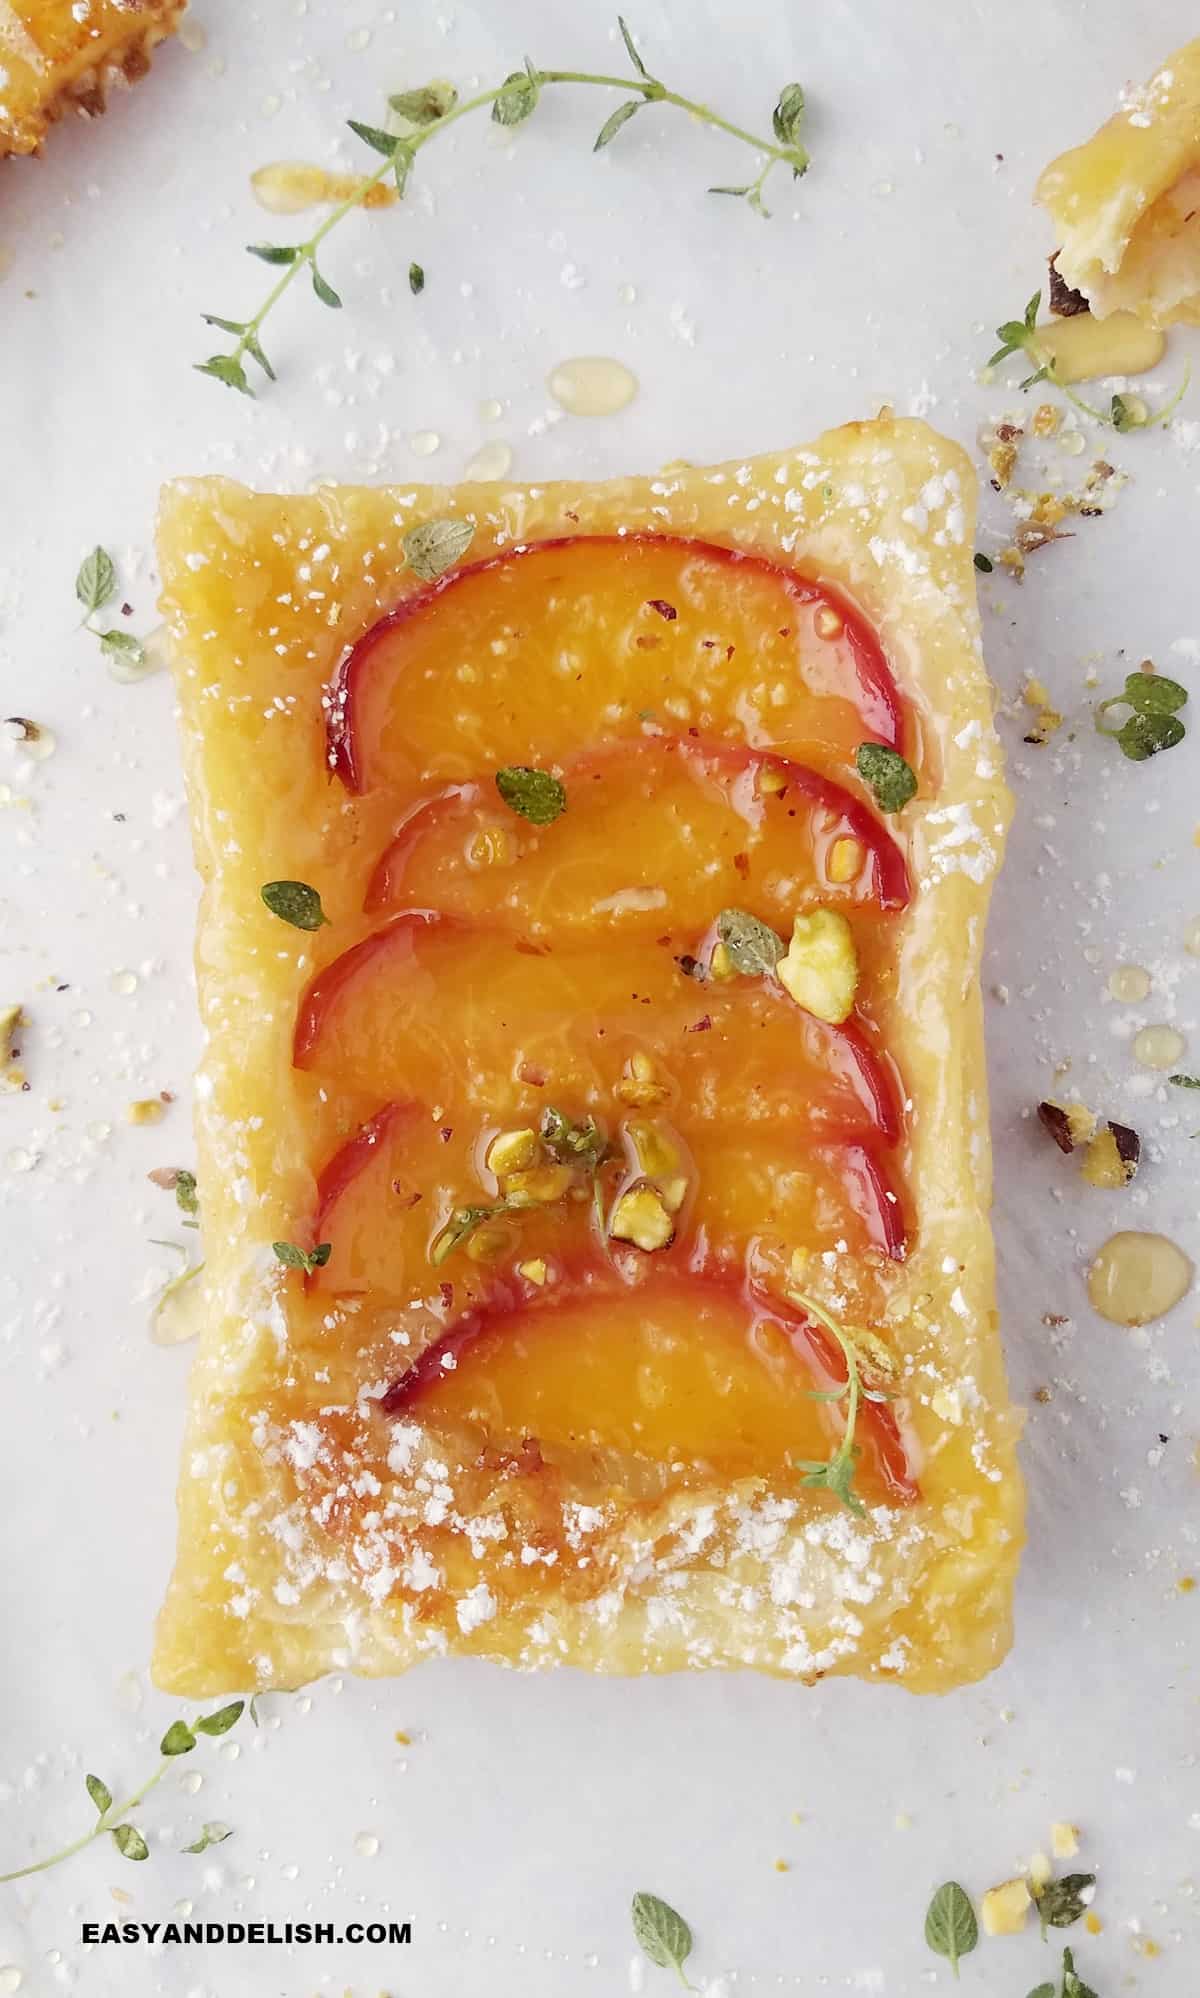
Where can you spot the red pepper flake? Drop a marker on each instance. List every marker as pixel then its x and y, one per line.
pixel 407 1196
pixel 527 1071
pixel 691 967
pixel 700 1026
pixel 446 1133
pixel 446 1293
pixel 741 862
pixel 663 608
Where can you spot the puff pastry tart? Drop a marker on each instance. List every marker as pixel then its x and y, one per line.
pixel 58 55
pixel 1126 205
pixel 632 1096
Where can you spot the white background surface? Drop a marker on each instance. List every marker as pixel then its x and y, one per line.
pixel 514 1829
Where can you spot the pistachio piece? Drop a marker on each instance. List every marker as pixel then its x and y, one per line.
pixel 513 1151
pixel 1112 1156
pixel 820 967
pixel 641 1216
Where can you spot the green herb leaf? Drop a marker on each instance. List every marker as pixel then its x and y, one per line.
pixel 1185 1081
pixel 1144 735
pixel 517 98
pixel 99 1793
pixel 416 280
pixel 96 580
pixel 1146 694
pixel 631 49
pixel 254 348
pixel 225 368
pixel 294 902
pixel 371 135
pixel 1063 1902
pixel 1121 416
pixel 435 546
pixel 213 1833
pixel 534 794
pixel 226 325
pixel 889 776
pixel 424 106
pixel 124 646
pixel 568 1143
pixel 984 565
pixel 275 253
pixel 186 1196
pixel 1073 1985
pixel 837 1474
pixel 951 1929
pixel 462 1224
pixel 223 1718
pixel 788 115
pixel 325 292
pixel 612 126
pixel 129 1842
pixel 1043 1991
pixel 737 192
pixel 308 1260
pixel 177 1740
pixel 661 1933
pixel 754 948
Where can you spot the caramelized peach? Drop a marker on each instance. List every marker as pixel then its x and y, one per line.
pixel 468 1013
pixel 522 658
pixel 768 830
pixel 687 1371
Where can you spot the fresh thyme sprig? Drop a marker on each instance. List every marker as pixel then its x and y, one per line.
pixel 1124 412
pixel 836 1474
pixel 424 113
pixel 95 586
pixel 112 1818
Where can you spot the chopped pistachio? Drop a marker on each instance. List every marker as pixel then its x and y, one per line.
pixel 1004 1909
pixel 641 1216
pixel 1064 1839
pixel 1069 1124
pixel 674 1193
pixel 538 1186
pixel 513 1151
pixel 641 1084
pixel 1112 1156
pixel 845 860
pixel 146 1110
pixel 490 1241
pixel 533 1271
pixel 820 968
pixel 720 965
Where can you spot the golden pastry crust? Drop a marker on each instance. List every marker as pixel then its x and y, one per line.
pixel 1126 204
pixel 56 56
pixel 262 595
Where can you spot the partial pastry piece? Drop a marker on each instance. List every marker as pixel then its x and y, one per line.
pixel 605 1066
pixel 64 55
pixel 1126 204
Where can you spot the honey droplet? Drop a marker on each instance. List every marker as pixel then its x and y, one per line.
pixel 1130 983
pixel 123 983
pixel 366 1845
pixel 288 187
pixel 1138 1277
pixel 1158 1047
pixel 424 443
pixel 592 385
pixel 491 461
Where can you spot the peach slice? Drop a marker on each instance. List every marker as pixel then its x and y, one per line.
pixel 524 657
pixel 689 1371
pixel 390 1189
pixel 467 1015
pixel 626 848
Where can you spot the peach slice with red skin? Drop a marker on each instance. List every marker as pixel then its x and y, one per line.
pixel 638 814
pixel 389 1190
pixel 467 1013
pixel 680 1367
pixel 484 667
